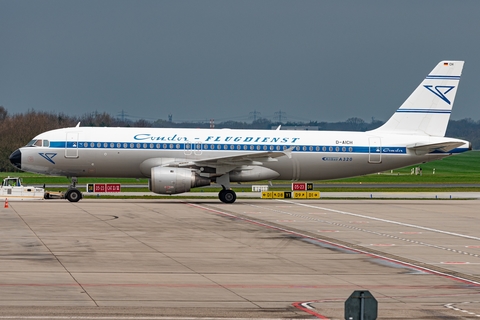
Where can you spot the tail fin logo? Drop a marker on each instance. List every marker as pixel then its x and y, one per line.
pixel 48 156
pixel 440 91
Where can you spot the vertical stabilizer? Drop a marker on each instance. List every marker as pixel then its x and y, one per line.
pixel 428 109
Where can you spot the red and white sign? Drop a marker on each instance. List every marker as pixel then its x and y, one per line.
pixel 299 186
pixel 113 187
pixel 106 187
pixel 302 186
pixel 99 187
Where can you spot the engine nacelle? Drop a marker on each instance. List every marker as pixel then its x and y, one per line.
pixel 171 180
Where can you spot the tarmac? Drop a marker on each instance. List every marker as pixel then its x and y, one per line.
pixel 323 195
pixel 257 258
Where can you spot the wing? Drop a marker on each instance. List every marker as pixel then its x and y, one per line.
pixel 228 163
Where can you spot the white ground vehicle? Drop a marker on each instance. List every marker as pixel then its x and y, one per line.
pixel 12 189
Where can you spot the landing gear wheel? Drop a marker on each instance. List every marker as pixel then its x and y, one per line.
pixel 230 196
pixel 227 196
pixel 73 195
pixel 221 195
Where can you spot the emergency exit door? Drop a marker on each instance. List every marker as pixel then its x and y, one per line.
pixel 374 150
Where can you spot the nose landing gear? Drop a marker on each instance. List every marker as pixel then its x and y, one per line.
pixel 73 194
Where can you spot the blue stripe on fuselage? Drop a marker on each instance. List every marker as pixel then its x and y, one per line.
pixel 226 147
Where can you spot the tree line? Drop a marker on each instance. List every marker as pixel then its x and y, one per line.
pixel 18 129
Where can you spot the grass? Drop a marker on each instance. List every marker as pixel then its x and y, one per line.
pixel 459 169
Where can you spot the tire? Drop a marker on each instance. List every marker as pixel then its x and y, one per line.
pixel 73 195
pixel 229 196
pixel 221 195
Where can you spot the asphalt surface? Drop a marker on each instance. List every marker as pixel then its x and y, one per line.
pixel 323 195
pixel 271 259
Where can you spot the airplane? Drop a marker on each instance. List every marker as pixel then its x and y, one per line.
pixel 176 160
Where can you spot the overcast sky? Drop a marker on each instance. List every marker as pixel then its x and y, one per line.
pixel 225 60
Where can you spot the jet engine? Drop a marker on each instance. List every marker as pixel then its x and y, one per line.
pixel 172 180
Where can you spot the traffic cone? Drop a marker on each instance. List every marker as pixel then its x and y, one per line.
pixel 6 203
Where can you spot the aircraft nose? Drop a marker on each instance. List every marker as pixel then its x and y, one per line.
pixel 16 158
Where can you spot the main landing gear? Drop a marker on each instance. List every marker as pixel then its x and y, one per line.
pixel 73 194
pixel 227 196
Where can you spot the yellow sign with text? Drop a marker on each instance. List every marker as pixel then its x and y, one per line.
pixel 300 194
pixel 278 195
pixel 313 194
pixel 267 194
pixel 290 194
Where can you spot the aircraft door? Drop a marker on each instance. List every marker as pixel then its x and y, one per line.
pixel 71 145
pixel 188 148
pixel 198 148
pixel 375 150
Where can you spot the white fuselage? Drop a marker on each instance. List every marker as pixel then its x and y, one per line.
pixel 309 155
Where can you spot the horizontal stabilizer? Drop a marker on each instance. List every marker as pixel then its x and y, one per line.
pixel 424 148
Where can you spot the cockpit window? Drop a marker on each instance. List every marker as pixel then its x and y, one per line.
pixel 38 143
